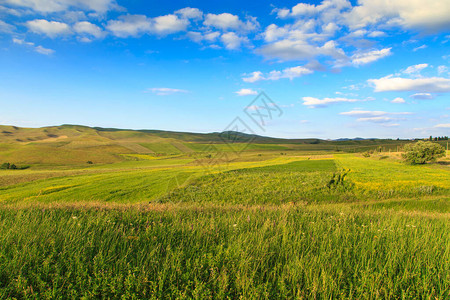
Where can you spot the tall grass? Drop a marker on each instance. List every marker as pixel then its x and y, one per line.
pixel 218 253
pixel 276 228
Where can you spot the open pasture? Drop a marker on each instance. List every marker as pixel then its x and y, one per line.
pixel 262 225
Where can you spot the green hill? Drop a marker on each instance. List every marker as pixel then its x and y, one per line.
pixel 76 144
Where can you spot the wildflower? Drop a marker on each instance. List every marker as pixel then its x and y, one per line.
pixel 74 217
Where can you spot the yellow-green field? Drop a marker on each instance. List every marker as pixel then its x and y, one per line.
pixel 160 218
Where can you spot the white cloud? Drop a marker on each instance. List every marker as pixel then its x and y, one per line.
pixel 11 11
pixel 253 107
pixel 442 69
pixel 420 48
pixel 22 42
pixel 246 92
pixel 50 28
pixel 327 8
pixel 376 33
pixel 223 21
pixel 422 96
pixel 288 49
pixel 49 6
pixel 398 100
pixel 442 125
pixel 42 50
pixel 200 36
pixel 190 13
pixel 134 25
pixel 88 28
pixel 129 25
pixel 414 70
pixel 166 91
pixel 363 113
pixel 422 85
pixel 226 21
pixel 5 27
pixel 315 102
pixel 74 16
pixel 428 16
pixel 232 41
pixel 373 116
pixel 254 76
pixel 376 119
pixel 371 56
pixel 38 49
pixel 289 73
pixel 273 33
pixel 168 24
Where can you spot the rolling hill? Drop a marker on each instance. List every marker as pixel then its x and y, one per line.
pixel 76 144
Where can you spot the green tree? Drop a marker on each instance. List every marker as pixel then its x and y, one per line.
pixel 423 152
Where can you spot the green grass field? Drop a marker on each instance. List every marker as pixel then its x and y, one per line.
pixel 172 221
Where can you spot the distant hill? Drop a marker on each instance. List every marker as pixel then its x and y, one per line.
pixel 76 144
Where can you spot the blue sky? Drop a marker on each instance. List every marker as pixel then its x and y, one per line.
pixel 336 68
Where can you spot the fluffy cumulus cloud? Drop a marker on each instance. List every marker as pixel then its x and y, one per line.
pixel 421 85
pixel 291 49
pixel 164 91
pixel 316 102
pixel 199 37
pixel 289 73
pixel 51 29
pixel 227 21
pixel 308 28
pixel 135 25
pixel 328 8
pixel 168 24
pixel 427 16
pixel 253 77
pixel 129 25
pixel 87 28
pixel 50 6
pixel 190 13
pixel 246 92
pixel 398 100
pixel 232 41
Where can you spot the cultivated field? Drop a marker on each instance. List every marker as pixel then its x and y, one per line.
pixel 278 220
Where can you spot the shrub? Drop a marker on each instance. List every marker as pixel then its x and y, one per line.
pixel 9 166
pixel 423 152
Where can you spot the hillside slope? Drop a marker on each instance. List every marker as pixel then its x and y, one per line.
pixel 75 144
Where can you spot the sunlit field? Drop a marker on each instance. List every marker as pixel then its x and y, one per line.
pixel 262 225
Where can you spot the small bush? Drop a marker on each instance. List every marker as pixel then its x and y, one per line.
pixel 9 166
pixel 5 166
pixel 423 152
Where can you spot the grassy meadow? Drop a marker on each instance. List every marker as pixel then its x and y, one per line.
pixel 160 215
